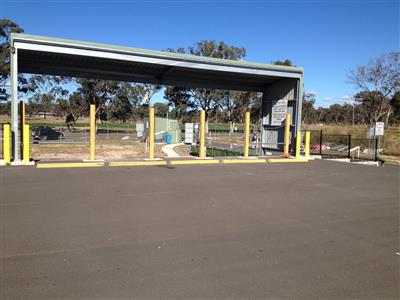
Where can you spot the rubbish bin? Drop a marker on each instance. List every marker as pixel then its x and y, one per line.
pixel 168 138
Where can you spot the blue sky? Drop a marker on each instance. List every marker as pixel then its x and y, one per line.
pixel 326 38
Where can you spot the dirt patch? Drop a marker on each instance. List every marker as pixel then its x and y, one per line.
pixel 104 150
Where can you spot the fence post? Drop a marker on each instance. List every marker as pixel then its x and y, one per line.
pixel 287 136
pixel 151 133
pixel 307 145
pixel 349 155
pixel 6 143
pixel 298 144
pixel 26 144
pixel 246 134
pixel 92 131
pixel 202 150
pixel 376 149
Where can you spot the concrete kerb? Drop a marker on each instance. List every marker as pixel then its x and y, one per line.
pixel 70 165
pixel 162 162
pixel 17 163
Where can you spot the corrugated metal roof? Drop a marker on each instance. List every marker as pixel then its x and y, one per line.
pixel 152 53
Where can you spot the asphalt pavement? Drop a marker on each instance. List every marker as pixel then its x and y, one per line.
pixel 301 230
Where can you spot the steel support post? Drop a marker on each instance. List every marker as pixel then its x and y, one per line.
pixel 14 102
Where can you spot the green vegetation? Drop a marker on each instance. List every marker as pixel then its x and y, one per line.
pixel 215 152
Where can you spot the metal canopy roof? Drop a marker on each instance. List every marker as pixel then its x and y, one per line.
pixel 44 55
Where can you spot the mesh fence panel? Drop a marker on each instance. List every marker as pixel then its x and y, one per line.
pixel 335 145
pixel 53 139
pixel 363 149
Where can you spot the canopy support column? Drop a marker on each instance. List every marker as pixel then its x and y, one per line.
pixel 14 103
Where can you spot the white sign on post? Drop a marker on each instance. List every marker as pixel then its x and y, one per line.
pixel 379 128
pixel 189 134
pixel 139 130
pixel 278 113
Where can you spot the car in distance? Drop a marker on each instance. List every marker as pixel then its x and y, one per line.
pixel 46 133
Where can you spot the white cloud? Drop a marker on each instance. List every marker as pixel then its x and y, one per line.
pixel 310 94
pixel 346 97
pixel 327 98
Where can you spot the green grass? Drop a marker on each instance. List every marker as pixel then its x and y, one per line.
pixel 83 125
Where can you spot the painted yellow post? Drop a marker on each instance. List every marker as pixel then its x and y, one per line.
pixel 26 144
pixel 6 143
pixel 202 148
pixel 151 133
pixel 21 125
pixel 287 136
pixel 246 134
pixel 298 144
pixel 92 131
pixel 307 145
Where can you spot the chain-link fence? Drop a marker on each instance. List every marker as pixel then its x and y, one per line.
pixel 364 149
pixel 341 145
pixel 224 139
pixel 336 145
pixel 230 138
pixel 54 139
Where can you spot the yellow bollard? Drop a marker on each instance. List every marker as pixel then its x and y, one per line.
pixel 92 131
pixel 26 144
pixel 307 145
pixel 21 124
pixel 298 144
pixel 287 136
pixel 202 148
pixel 151 133
pixel 246 134
pixel 6 143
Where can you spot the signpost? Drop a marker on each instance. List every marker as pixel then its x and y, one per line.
pixel 379 128
pixel 375 133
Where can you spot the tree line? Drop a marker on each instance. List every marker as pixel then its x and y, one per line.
pixel 377 99
pixel 377 82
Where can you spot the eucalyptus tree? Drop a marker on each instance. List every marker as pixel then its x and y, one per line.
pixel 46 91
pixel 6 28
pixel 179 99
pixel 205 98
pixel 235 104
pixel 102 93
pixel 378 81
